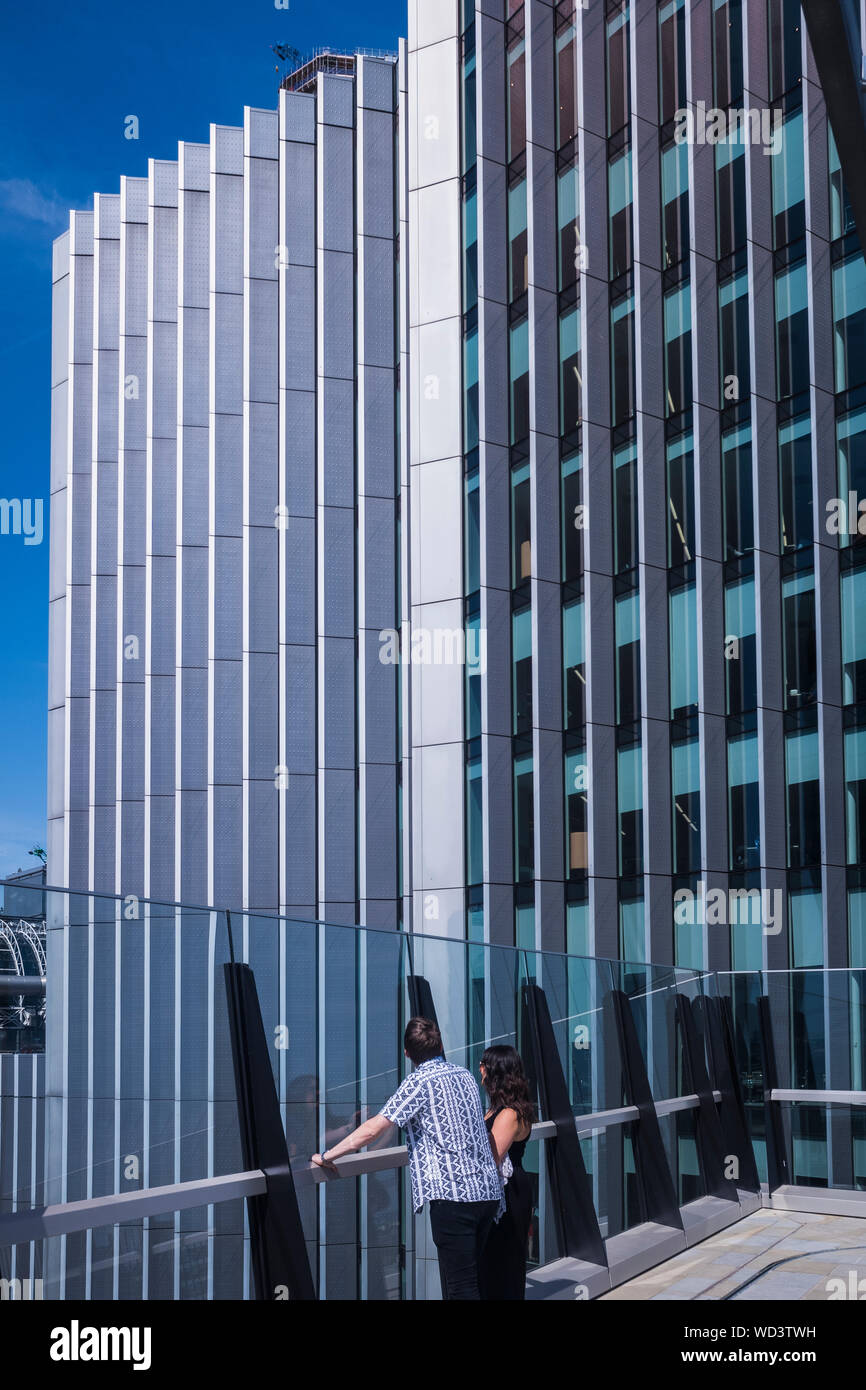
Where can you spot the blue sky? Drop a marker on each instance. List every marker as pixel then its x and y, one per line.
pixel 71 74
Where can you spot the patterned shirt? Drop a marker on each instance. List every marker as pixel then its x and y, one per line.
pixel 450 1157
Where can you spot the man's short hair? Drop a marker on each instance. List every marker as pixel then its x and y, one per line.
pixel 422 1040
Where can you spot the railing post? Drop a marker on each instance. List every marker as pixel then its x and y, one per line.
pixel 708 1129
pixel 580 1237
pixel 657 1192
pixel 278 1248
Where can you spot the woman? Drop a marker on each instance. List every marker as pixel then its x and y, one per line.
pixel 502 1271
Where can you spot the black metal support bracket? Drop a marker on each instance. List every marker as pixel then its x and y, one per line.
pixel 777 1159
pixel 421 998
pixel 278 1247
pixel 655 1183
pixel 577 1224
pixel 708 1129
pixel 732 1114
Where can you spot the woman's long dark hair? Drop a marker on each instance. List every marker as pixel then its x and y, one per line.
pixel 506 1084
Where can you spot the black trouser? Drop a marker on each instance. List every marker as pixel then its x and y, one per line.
pixel 459 1231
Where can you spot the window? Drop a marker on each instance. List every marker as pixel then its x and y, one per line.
pixel 849 322
pixel 798 626
pixel 686 783
pixel 619 192
pixel 789 182
pixel 807 951
pixel 672 59
pixel 841 212
pixel 571 255
pixel 573 519
pixel 854 636
pixel 727 52
pixel 627 621
pixel 629 790
pixel 570 383
pixel 622 359
pixel 804 799
pixel 469 110
pixel 472 546
pixel 519 373
pixel 675 202
pixel 740 652
pixel 792 331
pixel 473 667
pixel 576 786
pixel 678 349
pixel 737 485
pixel 785 44
pixel 521 526
pixel 470 392
pixel 735 339
pixel 521 661
pixel 681 500
pixel 470 252
pixel 516 98
pixel 855 794
pixel 574 663
pixel 618 71
pixel 524 820
pixel 474 823
pixel 566 97
pixel 795 463
pixel 684 652
pixel 625 507
pixel 518 258
pixel 851 446
pixel 743 804
pixel 731 195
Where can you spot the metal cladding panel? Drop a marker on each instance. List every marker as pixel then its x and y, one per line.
pixel 298 409
pixel 193 484
pixel 262 715
pixel 262 219
pixel 226 444
pixel 336 583
pixel 298 170
pixel 104 549
pixel 104 660
pixel 335 98
pixel 261 300
pixel 163 381
pixel 263 590
pixel 226 234
pixel 336 442
pixel 377 288
pixel 162 736
pixel 379 686
pixel 299 596
pixel 300 677
pixel 336 694
pixel 227 336
pixel 336 173
pixel 60 296
pixel 227 607
pixel 375 85
pixel 336 315
pixel 376 392
pixel 299 358
pixel 161 651
pixel 194 331
pixel 378 569
pixel 193 743
pixel 262 829
pixel 78 617
pixel 133 384
pixel 379 812
pixel 227 731
pixel 163 498
pixel 194 590
pixel 376 175
pixel 132 734
pixel 80 384
pixel 55 801
pixel 299 802
pixel 261 490
pixel 336 836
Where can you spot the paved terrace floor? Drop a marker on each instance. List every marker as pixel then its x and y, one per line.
pixel 823 1247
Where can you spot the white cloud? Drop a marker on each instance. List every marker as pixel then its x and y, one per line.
pixel 22 199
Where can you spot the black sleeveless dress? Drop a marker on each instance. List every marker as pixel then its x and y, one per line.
pixel 502 1270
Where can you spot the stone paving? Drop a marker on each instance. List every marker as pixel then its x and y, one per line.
pixel 718 1266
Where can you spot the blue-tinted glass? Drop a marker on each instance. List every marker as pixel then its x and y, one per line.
pixel 684 651
pixel 849 322
pixel 854 636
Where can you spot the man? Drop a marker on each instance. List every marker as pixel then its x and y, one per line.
pixel 451 1162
